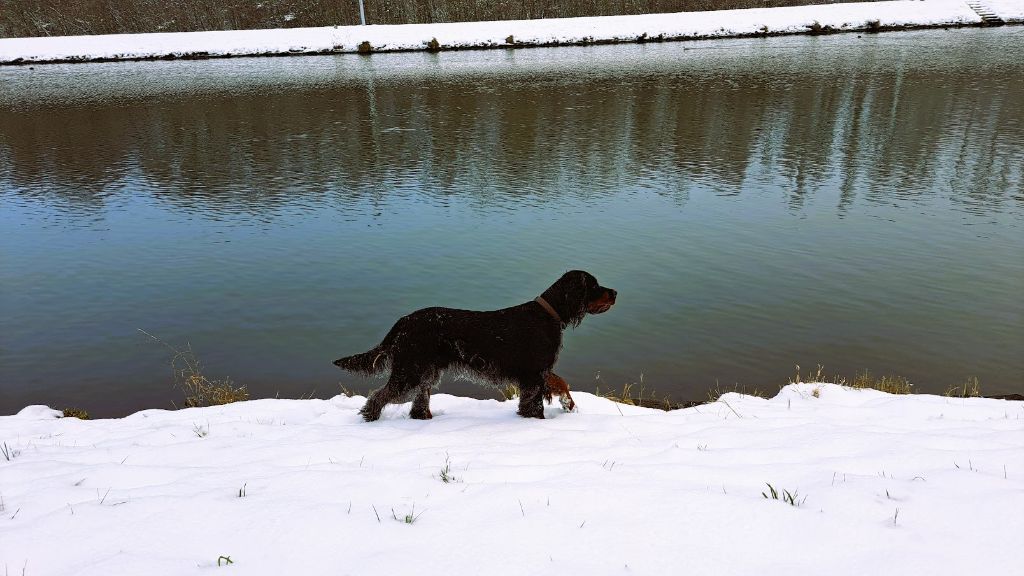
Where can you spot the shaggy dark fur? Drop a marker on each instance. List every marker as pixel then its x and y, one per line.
pixel 517 345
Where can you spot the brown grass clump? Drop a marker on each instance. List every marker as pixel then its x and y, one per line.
pixel 76 413
pixel 198 389
pixel 971 388
pixel 646 398
pixel 623 397
pixel 890 384
pixel 814 377
pixel 509 391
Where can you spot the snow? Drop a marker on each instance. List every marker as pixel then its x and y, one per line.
pixel 1008 10
pixel 912 484
pixel 340 39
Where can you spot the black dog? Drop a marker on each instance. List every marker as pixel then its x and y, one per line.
pixel 517 345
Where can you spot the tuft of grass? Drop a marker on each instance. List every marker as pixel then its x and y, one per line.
pixel 8 452
pixel 446 475
pixel 241 491
pixel 364 47
pixel 409 518
pixel 198 389
pixel 817 376
pixel 971 388
pixel 874 25
pixel 509 391
pixel 200 430
pixel 226 559
pixel 890 384
pixel 76 413
pixel 624 397
pixel 788 497
pixel 510 39
pixel 433 45
pixel 714 395
pixel 646 398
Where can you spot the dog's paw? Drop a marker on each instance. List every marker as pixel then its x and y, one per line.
pixel 532 414
pixel 567 403
pixel 420 415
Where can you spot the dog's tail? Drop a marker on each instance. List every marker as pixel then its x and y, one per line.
pixel 370 363
pixel 376 360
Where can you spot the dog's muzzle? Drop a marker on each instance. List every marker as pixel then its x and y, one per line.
pixel 604 303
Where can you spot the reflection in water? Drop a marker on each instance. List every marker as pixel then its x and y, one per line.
pixel 932 125
pixel 494 156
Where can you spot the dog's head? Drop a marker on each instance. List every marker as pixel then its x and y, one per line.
pixel 577 294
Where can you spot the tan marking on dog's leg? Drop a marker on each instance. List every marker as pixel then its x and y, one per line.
pixel 556 385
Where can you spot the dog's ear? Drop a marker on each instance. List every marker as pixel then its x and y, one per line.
pixel 588 284
pixel 570 296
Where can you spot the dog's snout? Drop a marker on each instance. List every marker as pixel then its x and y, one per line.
pixel 613 293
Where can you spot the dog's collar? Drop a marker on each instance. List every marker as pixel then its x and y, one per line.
pixel 544 304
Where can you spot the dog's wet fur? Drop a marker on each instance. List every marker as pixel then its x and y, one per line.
pixel 517 345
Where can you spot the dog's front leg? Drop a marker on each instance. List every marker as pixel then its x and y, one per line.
pixel 556 385
pixel 531 396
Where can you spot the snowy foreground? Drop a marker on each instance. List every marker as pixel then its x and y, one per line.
pixel 886 485
pixel 340 39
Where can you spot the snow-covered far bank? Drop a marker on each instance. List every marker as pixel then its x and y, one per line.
pixel 651 27
pixel 884 484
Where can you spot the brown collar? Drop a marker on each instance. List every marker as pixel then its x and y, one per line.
pixel 544 304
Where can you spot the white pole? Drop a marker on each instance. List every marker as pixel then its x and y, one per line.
pixel 362 14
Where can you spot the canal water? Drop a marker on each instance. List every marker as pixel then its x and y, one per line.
pixel 851 201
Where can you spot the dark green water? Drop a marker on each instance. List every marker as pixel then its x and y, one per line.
pixel 853 202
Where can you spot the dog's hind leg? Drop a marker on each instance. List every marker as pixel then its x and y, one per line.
pixel 531 396
pixel 421 403
pixel 399 384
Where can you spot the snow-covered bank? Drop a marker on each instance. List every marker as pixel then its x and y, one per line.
pixel 340 39
pixel 887 485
